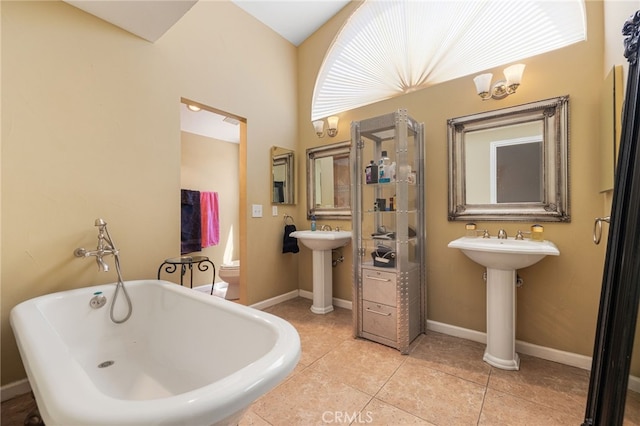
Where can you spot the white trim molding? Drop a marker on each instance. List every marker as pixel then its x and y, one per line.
pixel 14 389
pixel 550 354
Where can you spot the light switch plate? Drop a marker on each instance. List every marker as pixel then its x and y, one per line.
pixel 256 210
pixel 274 210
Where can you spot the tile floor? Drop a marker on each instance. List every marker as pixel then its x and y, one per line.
pixel 443 381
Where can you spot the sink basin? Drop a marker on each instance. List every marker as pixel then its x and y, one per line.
pixel 321 243
pixel 502 257
pixel 506 254
pixel 323 240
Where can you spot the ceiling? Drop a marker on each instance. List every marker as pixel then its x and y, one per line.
pixel 294 20
pixel 210 124
pixel 146 19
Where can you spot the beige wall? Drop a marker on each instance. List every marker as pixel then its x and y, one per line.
pixel 91 128
pixel 558 304
pixel 616 12
pixel 212 165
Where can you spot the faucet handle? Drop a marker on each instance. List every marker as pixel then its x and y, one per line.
pixel 520 234
pixel 485 233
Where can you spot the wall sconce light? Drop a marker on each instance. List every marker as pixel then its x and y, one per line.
pixel 502 88
pixel 332 126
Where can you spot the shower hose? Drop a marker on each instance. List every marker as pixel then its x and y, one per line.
pixel 119 285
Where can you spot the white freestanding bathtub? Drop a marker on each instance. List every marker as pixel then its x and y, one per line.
pixel 183 358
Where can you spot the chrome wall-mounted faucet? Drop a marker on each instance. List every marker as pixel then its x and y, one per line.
pixel 105 247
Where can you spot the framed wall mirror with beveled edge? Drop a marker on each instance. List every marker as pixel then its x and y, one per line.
pixel 283 177
pixel 329 181
pixel 511 164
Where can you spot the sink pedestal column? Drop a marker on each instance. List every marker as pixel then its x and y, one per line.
pixel 501 320
pixel 322 282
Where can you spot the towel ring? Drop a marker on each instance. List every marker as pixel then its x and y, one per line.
pixel 286 216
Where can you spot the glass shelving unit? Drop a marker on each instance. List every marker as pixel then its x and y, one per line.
pixel 388 226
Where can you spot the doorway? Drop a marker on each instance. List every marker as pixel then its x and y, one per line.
pixel 213 155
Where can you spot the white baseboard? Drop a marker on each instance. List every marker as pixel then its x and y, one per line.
pixel 634 384
pixel 562 357
pixel 275 300
pixel 14 389
pixel 453 330
pixel 550 354
pixel 340 303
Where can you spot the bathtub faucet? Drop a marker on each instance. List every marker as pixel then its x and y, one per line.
pixel 105 247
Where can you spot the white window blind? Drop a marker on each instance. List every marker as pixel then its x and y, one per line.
pixel 388 48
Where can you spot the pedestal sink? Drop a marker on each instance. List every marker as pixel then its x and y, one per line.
pixel 502 257
pixel 321 243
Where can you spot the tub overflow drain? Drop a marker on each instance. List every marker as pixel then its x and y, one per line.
pixel 106 364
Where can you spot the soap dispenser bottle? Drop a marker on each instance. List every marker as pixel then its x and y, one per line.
pixel 313 222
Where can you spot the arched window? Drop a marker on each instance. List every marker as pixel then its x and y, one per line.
pixel 388 48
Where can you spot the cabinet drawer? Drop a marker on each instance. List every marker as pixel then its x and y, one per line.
pixel 378 286
pixel 379 319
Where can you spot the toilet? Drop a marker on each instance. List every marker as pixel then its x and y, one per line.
pixel 230 273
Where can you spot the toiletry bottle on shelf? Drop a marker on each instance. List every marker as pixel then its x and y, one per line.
pixel 313 222
pixel 411 176
pixel 371 173
pixel 392 172
pixel 383 168
pixel 537 232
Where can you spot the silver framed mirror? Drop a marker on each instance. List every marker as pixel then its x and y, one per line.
pixel 282 176
pixel 329 181
pixel 511 164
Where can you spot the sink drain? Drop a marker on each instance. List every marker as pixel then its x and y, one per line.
pixel 106 364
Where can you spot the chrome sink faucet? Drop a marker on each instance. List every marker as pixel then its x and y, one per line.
pixel 520 235
pixel 502 234
pixel 325 227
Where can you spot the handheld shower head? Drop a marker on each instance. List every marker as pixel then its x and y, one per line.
pixel 100 223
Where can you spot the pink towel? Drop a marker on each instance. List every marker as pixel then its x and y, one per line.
pixel 210 219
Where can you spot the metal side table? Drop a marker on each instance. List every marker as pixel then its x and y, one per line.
pixel 187 262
